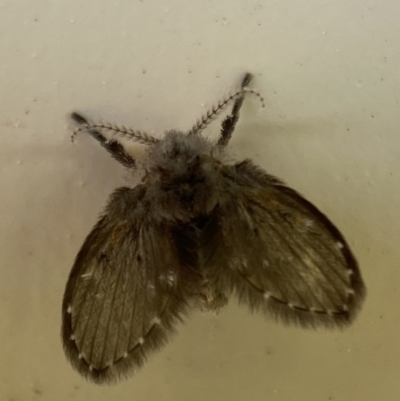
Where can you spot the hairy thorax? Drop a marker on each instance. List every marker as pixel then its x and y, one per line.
pixel 182 176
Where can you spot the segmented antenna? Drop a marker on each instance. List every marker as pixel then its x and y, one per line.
pixel 115 130
pixel 215 110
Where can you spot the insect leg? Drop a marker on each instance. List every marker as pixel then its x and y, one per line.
pixel 116 150
pixel 229 123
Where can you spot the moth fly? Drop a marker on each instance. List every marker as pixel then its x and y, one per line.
pixel 195 231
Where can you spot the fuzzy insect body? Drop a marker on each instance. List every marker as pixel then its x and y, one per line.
pixel 197 229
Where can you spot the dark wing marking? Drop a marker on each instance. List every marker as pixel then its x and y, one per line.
pixel 124 292
pixel 279 253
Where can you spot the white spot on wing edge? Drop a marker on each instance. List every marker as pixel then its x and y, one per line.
pixel 69 309
pixel 168 278
pixel 87 276
pixel 308 223
pixel 140 340
pixel 267 294
pixel 340 245
pixel 171 276
pixel 157 320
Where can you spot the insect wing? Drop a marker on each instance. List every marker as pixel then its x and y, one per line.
pixel 123 292
pixel 279 253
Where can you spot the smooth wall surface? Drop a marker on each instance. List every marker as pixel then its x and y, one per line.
pixel 329 73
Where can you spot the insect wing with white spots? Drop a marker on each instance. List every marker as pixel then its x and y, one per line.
pixel 280 254
pixel 122 294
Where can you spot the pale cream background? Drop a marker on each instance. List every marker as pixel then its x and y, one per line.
pixel 329 71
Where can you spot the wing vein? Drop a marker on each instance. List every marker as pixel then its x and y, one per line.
pixel 300 259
